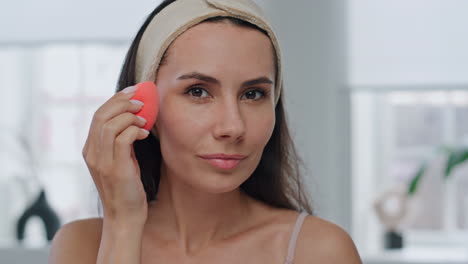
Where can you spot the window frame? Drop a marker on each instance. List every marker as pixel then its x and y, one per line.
pixel 369 233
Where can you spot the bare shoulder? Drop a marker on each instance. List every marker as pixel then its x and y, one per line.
pixel 77 242
pixel 321 241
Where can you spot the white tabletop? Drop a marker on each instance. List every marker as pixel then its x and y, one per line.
pixel 419 255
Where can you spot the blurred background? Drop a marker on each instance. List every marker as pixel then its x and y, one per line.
pixel 376 94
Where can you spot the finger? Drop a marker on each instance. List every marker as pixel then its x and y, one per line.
pixel 111 130
pixel 113 107
pixel 124 143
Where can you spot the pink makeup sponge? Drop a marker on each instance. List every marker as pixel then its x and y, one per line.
pixel 148 94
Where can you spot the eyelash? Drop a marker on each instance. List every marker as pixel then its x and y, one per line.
pixel 263 92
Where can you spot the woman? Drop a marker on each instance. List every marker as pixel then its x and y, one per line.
pixel 219 180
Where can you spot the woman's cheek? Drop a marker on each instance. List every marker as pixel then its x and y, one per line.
pixel 182 118
pixel 263 126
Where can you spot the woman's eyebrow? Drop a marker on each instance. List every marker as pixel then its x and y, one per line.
pixel 209 79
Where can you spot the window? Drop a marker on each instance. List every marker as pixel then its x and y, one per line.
pixel 54 90
pixel 407 75
pixel 394 132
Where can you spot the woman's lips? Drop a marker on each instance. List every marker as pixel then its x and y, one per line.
pixel 225 164
pixel 223 161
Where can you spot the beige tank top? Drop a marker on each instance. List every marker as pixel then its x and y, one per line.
pixel 294 236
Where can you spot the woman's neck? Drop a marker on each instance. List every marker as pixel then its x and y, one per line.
pixel 192 218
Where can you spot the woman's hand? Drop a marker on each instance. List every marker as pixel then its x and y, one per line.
pixel 111 160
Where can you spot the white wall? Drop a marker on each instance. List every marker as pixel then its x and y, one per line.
pixel 35 21
pixel 313 37
pixel 408 42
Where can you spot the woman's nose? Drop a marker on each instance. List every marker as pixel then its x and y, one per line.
pixel 230 123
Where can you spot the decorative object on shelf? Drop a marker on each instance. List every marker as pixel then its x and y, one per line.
pixel 25 196
pixel 391 208
pixel 393 240
pixel 40 208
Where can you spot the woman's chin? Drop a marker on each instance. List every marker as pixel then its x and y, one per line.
pixel 219 186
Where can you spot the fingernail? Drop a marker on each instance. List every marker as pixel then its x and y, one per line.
pixel 129 89
pixel 136 102
pixel 144 130
pixel 141 118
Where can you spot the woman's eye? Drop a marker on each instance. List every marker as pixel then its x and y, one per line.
pixel 198 92
pixel 254 94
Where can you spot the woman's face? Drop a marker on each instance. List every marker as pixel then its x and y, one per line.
pixel 216 97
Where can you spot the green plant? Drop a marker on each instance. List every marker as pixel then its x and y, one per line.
pixel 455 157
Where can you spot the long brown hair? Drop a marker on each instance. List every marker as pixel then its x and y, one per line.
pixel 277 179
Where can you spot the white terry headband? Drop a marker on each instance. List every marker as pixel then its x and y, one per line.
pixel 181 15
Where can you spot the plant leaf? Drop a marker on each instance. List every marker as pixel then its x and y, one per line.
pixel 456 157
pixel 417 178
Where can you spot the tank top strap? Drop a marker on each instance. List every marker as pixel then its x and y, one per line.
pixel 294 236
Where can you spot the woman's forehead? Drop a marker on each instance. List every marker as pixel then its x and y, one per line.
pixel 219 43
